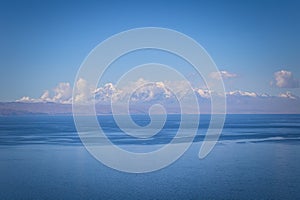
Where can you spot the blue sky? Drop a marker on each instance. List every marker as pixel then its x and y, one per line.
pixel 44 42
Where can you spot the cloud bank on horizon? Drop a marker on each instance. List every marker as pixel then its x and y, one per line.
pixel 142 92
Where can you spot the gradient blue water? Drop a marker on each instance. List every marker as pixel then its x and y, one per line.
pixel 257 157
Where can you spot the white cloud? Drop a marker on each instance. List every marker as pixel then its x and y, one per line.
pixel 288 95
pixel 62 94
pixel 84 91
pixel 141 94
pixel 107 93
pixel 265 95
pixel 137 91
pixel 242 93
pixel 46 96
pixel 204 93
pixel 156 91
pixel 140 91
pixel 222 74
pixel 27 99
pixel 285 79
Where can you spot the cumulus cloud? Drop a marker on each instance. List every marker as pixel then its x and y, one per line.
pixel 84 91
pixel 288 95
pixel 46 96
pixel 156 91
pixel 284 79
pixel 138 91
pixel 27 99
pixel 62 93
pixel 243 94
pixel 108 93
pixel 222 74
pixel 142 94
pixel 141 91
pixel 204 93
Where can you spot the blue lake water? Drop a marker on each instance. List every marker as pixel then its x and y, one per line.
pixel 257 157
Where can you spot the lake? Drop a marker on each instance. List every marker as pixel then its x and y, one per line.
pixel 257 157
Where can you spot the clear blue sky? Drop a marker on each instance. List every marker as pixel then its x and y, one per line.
pixel 43 43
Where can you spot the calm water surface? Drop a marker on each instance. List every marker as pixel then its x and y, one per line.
pixel 257 157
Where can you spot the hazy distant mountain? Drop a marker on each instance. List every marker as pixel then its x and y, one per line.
pixel 236 103
pixel 21 108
